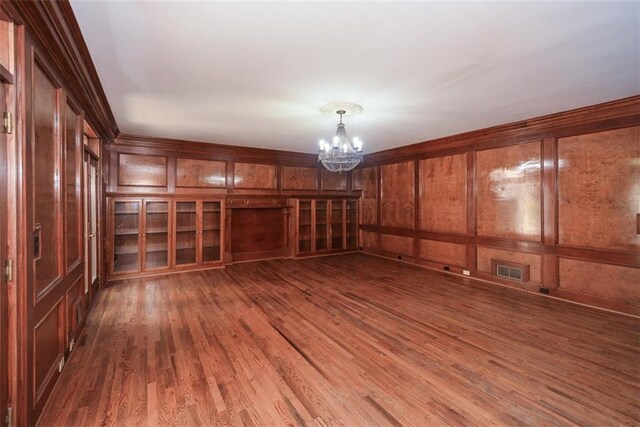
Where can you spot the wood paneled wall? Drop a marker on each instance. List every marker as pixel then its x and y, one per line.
pixel 54 92
pixel 140 165
pixel 559 194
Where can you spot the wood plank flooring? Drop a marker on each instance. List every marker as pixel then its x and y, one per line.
pixel 351 340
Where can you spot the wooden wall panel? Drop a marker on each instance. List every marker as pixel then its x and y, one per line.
pixel 332 181
pixel 509 192
pixel 601 280
pixel 397 244
pixel 369 240
pixel 599 189
pixel 195 173
pixel 534 261
pixel 443 194
pixel 257 230
pixel 447 253
pixel 299 178
pixel 251 176
pixel 145 171
pixel 73 204
pixel 46 190
pixel 48 348
pixel 366 180
pixel 397 195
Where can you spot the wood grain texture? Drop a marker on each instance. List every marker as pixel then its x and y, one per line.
pixel 145 171
pixel 599 189
pixel 276 343
pixel 196 173
pixel 253 176
pixel 444 252
pixel 46 188
pixel 601 280
pixel 534 261
pixel 257 230
pixel 443 194
pixel 509 192
pixel 72 182
pixel 299 178
pixel 332 181
pixel 397 195
pixel 366 180
pixel 369 240
pixel 397 244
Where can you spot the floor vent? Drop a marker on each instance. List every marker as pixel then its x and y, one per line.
pixel 510 270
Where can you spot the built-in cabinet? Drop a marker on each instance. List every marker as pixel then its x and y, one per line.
pixel 157 234
pixel 325 225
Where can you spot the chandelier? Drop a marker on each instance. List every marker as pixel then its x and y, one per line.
pixel 342 154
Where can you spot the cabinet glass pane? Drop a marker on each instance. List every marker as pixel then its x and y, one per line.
pixel 126 236
pixel 211 224
pixel 304 226
pixel 321 225
pixel 186 232
pixel 336 224
pixel 157 235
pixel 352 224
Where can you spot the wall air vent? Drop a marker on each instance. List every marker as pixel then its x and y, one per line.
pixel 510 270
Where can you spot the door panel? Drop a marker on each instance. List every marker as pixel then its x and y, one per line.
pixel 4 297
pixel 45 175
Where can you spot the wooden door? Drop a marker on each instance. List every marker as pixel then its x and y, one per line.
pixel 4 297
pixel 156 235
pixel 126 225
pixel 91 192
pixel 211 215
pixel 186 233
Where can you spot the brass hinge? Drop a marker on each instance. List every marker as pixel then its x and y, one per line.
pixel 7 124
pixel 8 418
pixel 8 270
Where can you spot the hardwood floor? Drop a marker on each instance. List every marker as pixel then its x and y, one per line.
pixel 345 340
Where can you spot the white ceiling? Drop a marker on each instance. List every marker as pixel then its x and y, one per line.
pixel 256 73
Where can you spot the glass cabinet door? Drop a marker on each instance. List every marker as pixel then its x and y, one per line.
pixel 127 234
pixel 156 235
pixel 322 220
pixel 211 229
pixel 352 224
pixel 336 224
pixel 304 226
pixel 186 233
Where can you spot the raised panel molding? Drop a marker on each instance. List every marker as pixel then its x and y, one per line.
pixel 366 180
pixel 509 196
pixel 599 189
pixel 252 176
pixel 443 194
pixel 610 282
pixel 397 195
pixel 299 178
pixel 444 252
pixel 195 173
pixel 398 244
pixel 332 181
pixel 144 171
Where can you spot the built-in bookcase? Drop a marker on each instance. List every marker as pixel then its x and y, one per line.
pixel 326 225
pixel 163 233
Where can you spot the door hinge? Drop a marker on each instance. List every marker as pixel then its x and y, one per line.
pixel 8 418
pixel 7 124
pixel 8 270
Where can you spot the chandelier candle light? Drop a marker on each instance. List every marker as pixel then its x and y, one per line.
pixel 343 154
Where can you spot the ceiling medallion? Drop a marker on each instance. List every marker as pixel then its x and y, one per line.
pixel 343 154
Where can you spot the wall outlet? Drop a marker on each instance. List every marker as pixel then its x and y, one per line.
pixel 71 344
pixel 61 365
pixel 466 272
